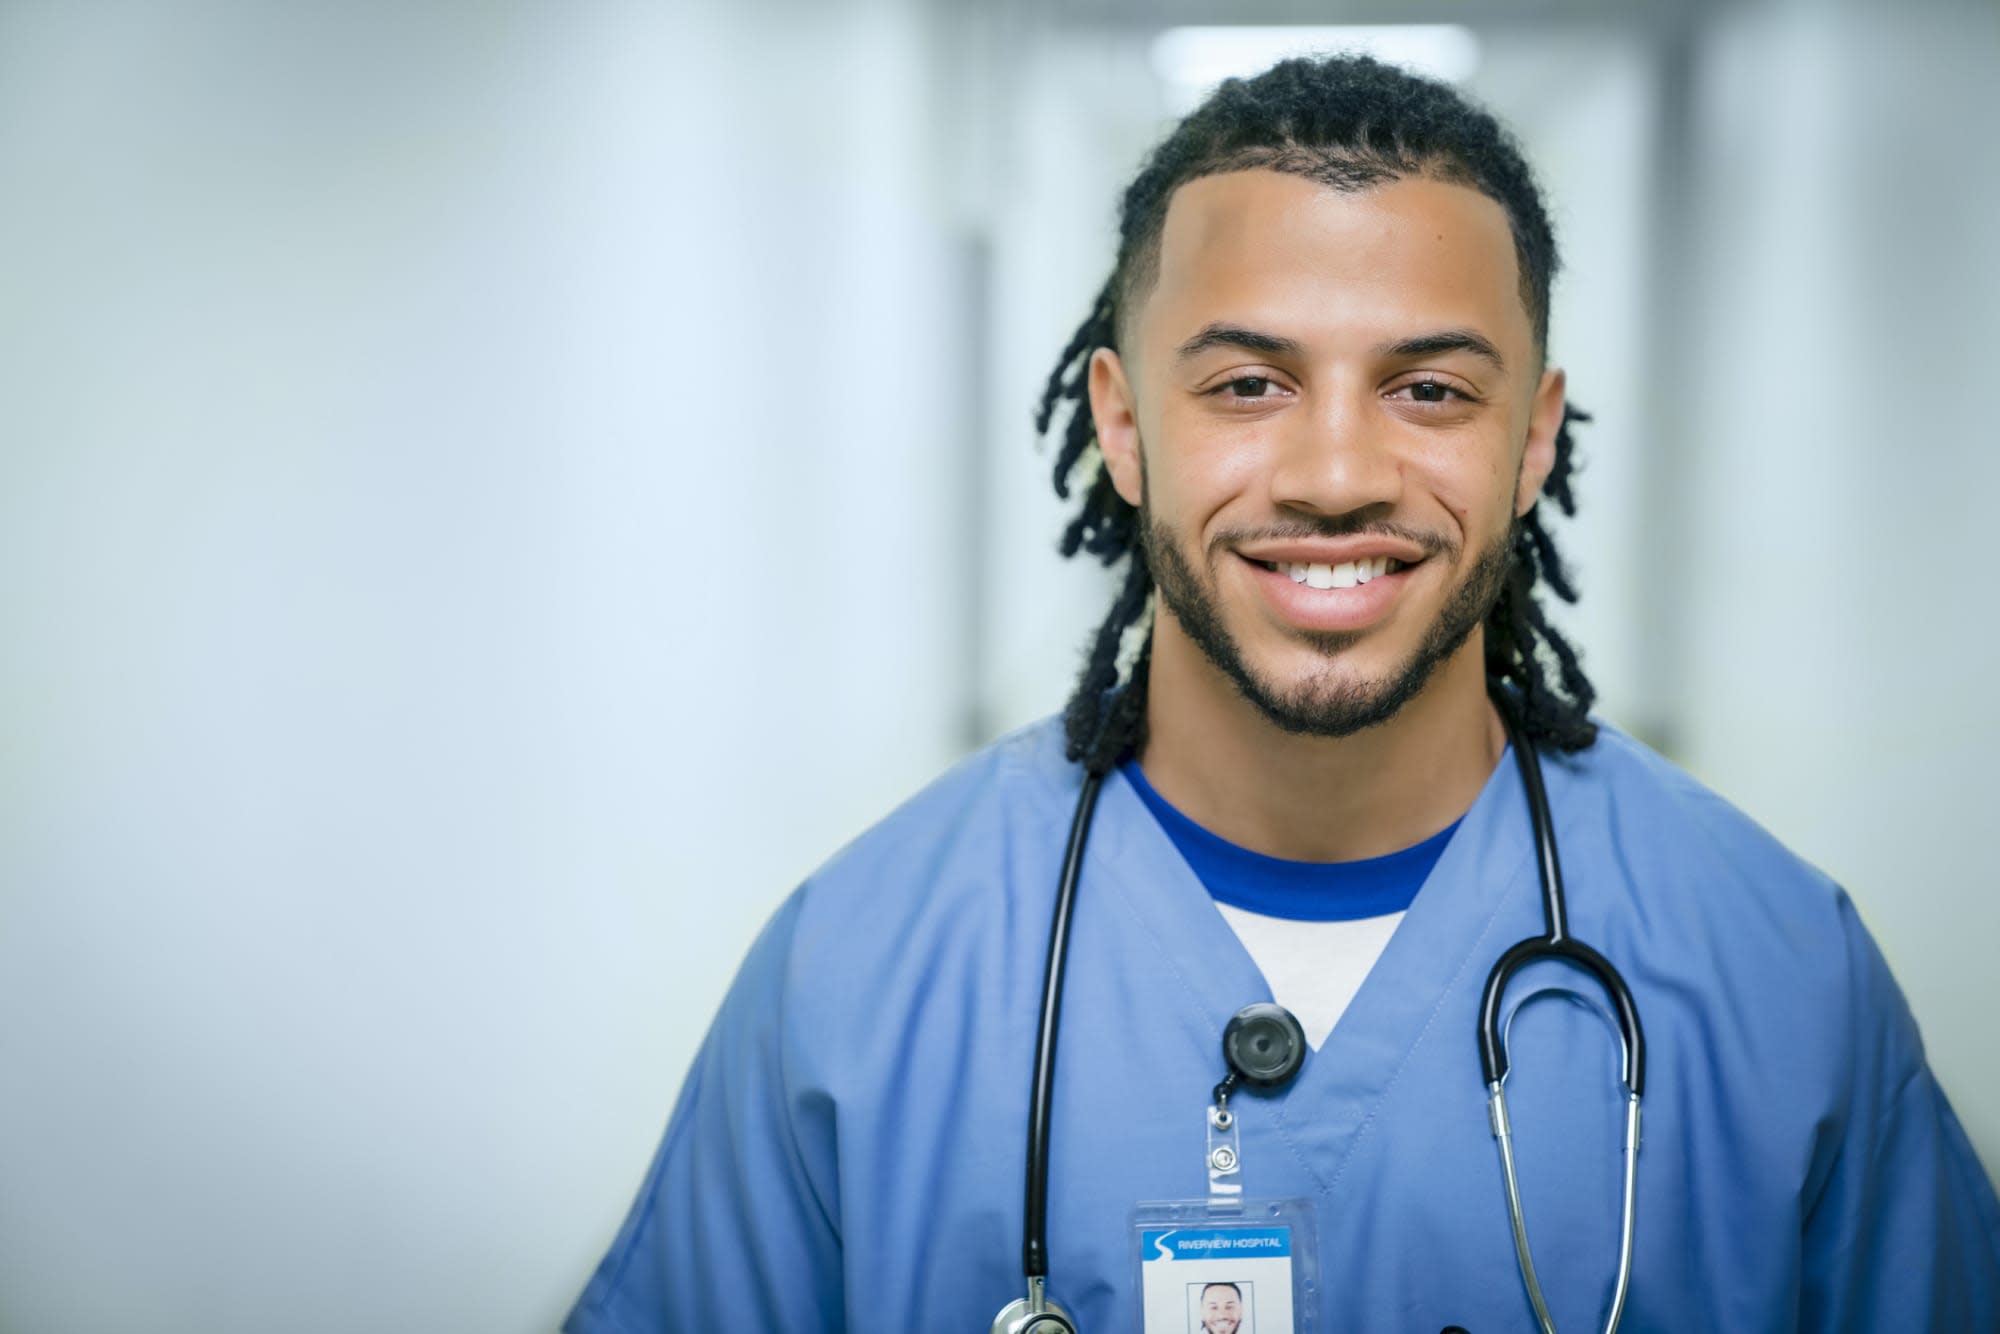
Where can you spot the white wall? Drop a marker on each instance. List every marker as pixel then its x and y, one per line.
pixel 1841 648
pixel 467 494
pixel 1079 111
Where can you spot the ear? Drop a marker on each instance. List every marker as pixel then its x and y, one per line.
pixel 1116 415
pixel 1545 419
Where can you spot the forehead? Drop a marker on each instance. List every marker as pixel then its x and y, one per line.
pixel 1269 249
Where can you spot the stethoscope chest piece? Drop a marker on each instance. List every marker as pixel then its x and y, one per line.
pixel 1264 1045
pixel 1033 1314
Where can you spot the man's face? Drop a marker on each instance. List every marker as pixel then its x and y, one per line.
pixel 1330 410
pixel 1221 1310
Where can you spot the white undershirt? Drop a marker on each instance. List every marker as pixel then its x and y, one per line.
pixel 1312 968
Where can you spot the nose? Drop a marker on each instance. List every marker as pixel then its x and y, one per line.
pixel 1338 458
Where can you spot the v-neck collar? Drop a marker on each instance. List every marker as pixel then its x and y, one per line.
pixel 1445 944
pixel 1302 891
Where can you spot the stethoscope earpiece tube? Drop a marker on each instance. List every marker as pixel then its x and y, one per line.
pixel 1493 1046
pixel 1556 943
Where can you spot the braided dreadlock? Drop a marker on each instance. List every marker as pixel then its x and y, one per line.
pixel 1347 122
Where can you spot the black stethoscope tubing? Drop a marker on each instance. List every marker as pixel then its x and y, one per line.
pixel 1554 944
pixel 1034 1233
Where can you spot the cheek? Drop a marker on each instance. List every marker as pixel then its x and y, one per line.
pixel 1191 465
pixel 1472 480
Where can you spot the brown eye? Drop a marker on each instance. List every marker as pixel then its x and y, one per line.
pixel 1250 386
pixel 1429 391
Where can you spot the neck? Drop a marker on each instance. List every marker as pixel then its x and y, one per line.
pixel 1214 756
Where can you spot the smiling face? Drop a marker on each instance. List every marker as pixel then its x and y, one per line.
pixel 1221 1308
pixel 1330 410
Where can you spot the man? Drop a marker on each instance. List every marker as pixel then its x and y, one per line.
pixel 1312 411
pixel 1221 1308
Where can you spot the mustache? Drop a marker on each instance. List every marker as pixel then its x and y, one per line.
pixel 1336 525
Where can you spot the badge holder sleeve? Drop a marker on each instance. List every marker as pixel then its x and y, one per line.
pixel 1260 1256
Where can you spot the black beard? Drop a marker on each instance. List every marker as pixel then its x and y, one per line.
pixel 1320 706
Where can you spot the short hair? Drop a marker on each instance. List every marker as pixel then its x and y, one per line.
pixel 1231 1286
pixel 1349 123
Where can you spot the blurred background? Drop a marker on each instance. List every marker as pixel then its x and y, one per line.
pixel 492 494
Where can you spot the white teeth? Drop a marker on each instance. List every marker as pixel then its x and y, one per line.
pixel 1347 574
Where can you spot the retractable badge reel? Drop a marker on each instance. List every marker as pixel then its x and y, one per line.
pixel 1233 1260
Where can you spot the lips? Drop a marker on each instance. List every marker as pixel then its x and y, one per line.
pixel 1331 596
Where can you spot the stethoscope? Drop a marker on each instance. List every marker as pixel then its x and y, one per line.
pixel 1264 1047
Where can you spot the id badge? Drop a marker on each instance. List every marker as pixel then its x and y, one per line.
pixel 1228 1264
pixel 1242 1272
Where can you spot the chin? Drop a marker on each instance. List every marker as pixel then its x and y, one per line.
pixel 1308 677
pixel 1306 693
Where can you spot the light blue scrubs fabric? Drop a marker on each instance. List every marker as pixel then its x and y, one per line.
pixel 847 1151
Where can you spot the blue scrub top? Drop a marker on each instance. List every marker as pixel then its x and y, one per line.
pixel 847 1151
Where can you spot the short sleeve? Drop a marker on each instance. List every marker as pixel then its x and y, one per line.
pixel 739 1204
pixel 1904 1231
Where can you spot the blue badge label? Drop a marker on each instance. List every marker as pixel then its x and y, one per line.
pixel 1216 1243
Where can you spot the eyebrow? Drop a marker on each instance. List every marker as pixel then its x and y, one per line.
pixel 1445 340
pixel 1235 335
pixel 1421 345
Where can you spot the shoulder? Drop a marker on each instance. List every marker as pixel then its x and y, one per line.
pixel 1729 918
pixel 1717 899
pixel 1013 788
pixel 910 938
pixel 1779 1043
pixel 944 875
pixel 1674 829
